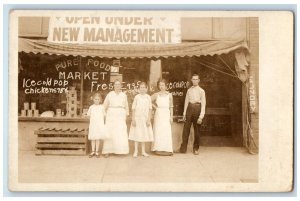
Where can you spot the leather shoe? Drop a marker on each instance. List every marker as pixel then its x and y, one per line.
pixel 196 152
pixel 92 154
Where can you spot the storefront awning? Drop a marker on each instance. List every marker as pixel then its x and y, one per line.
pixel 131 51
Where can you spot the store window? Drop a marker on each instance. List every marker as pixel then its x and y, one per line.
pixel 176 72
pixel 45 79
pixel 40 82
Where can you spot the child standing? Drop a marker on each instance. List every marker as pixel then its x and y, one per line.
pixel 141 129
pixel 97 129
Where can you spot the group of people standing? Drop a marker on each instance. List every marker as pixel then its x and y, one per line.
pixel 108 120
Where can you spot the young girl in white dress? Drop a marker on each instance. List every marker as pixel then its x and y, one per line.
pixel 116 105
pixel 141 129
pixel 163 118
pixel 97 129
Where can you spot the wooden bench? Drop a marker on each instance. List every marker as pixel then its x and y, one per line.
pixel 55 141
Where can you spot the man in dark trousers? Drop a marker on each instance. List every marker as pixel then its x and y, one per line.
pixel 194 111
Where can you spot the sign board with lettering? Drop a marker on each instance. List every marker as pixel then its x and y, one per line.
pixel 252 94
pixel 115 29
pixel 46 79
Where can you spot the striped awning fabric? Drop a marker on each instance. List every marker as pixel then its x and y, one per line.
pixel 131 51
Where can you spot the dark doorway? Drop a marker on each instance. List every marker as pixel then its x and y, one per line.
pixel 222 125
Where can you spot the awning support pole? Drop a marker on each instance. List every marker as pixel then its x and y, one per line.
pixel 81 86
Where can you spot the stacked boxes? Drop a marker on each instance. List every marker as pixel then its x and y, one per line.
pixel 30 112
pixel 71 102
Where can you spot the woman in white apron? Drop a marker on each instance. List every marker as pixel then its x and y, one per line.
pixel 163 118
pixel 117 108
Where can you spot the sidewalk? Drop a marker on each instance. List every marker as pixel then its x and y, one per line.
pixel 213 164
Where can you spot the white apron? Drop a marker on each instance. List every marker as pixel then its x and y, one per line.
pixel 116 124
pixel 117 128
pixel 162 126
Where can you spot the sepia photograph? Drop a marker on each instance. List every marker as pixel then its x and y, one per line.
pixel 136 101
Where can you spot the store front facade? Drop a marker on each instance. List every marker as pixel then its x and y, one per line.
pixel 47 71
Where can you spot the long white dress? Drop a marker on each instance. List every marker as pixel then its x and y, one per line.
pixel 141 132
pixel 97 129
pixel 116 124
pixel 162 126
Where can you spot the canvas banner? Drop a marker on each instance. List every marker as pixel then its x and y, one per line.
pixel 115 29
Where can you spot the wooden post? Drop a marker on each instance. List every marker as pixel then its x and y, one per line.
pixel 244 114
pixel 81 85
pixel 155 73
pixel 253 70
pixel 244 93
pixel 189 69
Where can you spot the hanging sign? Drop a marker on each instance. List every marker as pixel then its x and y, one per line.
pixel 115 29
pixel 252 94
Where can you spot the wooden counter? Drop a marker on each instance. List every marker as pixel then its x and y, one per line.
pixel 209 111
pixel 54 119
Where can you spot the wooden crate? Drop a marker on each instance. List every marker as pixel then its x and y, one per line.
pixel 53 141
